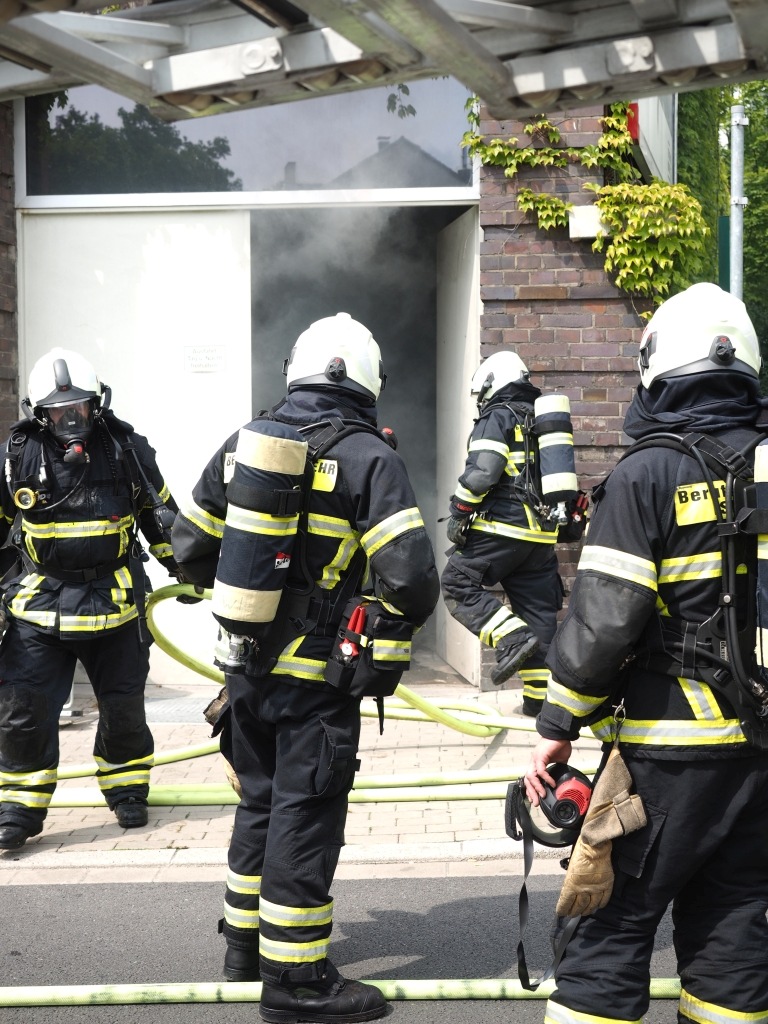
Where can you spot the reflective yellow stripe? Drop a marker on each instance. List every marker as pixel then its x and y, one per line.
pixel 161 550
pixel 204 521
pixel 293 952
pixel 241 918
pixel 701 699
pixel 709 1013
pixel 468 497
pixel 249 885
pixel 66 531
pixel 502 622
pixel 694 567
pixel 25 797
pixel 134 778
pixel 41 777
pixel 533 533
pixel 622 565
pixel 555 1013
pixel 391 650
pixel 94 623
pixel 303 668
pixel 107 766
pixel 394 526
pixel 578 704
pixel 649 733
pixel 295 917
pixel 164 492
pixel 535 682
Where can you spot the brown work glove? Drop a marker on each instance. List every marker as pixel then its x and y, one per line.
pixel 613 812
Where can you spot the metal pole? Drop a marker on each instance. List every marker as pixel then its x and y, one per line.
pixel 738 201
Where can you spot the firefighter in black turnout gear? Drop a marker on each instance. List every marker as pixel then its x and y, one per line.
pixel 650 647
pixel 500 533
pixel 77 485
pixel 285 575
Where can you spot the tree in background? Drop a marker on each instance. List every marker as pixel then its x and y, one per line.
pixel 754 96
pixel 80 155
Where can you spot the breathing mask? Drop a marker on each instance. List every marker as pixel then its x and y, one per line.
pixel 560 814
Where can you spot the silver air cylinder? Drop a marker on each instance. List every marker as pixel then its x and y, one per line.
pixel 263 504
pixel 761 498
pixel 554 432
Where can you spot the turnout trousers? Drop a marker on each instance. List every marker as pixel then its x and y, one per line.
pixel 704 852
pixel 528 575
pixel 294 749
pixel 36 673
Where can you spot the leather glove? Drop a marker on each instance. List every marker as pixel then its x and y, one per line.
pixel 189 599
pixel 458 527
pixel 613 811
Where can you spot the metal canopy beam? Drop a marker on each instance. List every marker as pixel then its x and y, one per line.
pixel 187 57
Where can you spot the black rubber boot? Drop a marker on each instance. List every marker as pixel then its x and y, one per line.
pixel 13 837
pixel 511 653
pixel 132 813
pixel 330 1000
pixel 241 960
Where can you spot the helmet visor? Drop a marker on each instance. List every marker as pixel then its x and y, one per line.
pixel 70 421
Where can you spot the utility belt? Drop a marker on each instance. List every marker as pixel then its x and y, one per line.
pixel 97 572
pixel 372 650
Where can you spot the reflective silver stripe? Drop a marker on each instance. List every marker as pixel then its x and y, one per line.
pixel 293 952
pixel 674 570
pixel 555 1013
pixel 392 527
pixel 106 766
pixel 160 550
pixel 42 777
pixel 678 733
pixel 303 668
pixel 391 650
pixel 487 629
pixel 296 917
pixel 468 497
pixel 709 1013
pixel 329 526
pixel 241 918
pixel 556 437
pixel 246 521
pixel 204 521
pixel 578 704
pixel 483 444
pixel 88 528
pixel 701 699
pixel 620 564
pixel 248 885
pixel 134 778
pixel 94 623
pixel 25 797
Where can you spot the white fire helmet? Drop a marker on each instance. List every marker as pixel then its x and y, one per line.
pixel 337 351
pixel 697 331
pixel 60 377
pixel 496 372
pixel 65 394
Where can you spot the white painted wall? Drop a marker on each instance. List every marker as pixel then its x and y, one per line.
pixel 458 356
pixel 160 303
pixel 656 118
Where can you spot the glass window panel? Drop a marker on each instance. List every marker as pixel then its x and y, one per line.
pixel 91 141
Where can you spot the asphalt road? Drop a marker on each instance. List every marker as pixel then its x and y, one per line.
pixel 391 928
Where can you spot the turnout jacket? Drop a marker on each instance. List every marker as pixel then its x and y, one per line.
pixel 362 514
pixel 500 466
pixel 80 555
pixel 651 563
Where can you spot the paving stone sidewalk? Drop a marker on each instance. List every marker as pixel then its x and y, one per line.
pixel 85 843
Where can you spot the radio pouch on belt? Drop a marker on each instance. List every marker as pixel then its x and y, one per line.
pixel 372 650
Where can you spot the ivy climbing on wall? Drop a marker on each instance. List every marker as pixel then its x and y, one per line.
pixel 652 236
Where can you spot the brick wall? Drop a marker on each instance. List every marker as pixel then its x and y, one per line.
pixel 9 398
pixel 548 297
